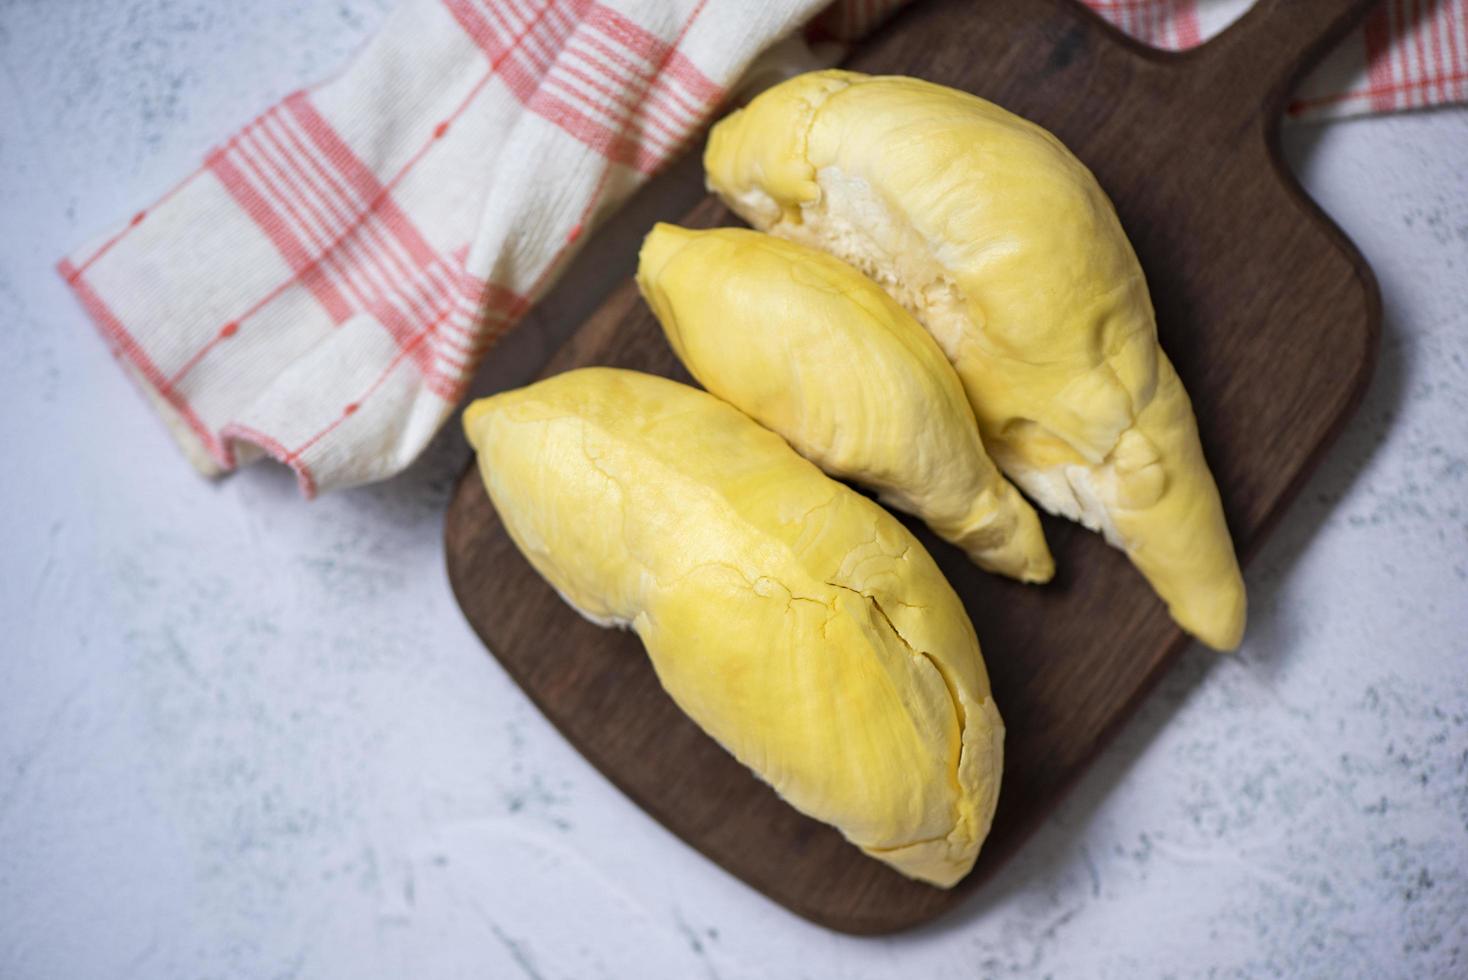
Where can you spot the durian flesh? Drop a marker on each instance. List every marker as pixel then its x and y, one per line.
pixel 1003 245
pixel 809 347
pixel 794 620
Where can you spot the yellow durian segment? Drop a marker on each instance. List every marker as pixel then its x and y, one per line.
pixel 809 347
pixel 794 620
pixel 1002 244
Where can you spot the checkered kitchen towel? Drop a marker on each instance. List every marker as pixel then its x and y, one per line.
pixel 1409 54
pixel 322 288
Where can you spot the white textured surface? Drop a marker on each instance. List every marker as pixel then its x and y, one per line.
pixel 241 735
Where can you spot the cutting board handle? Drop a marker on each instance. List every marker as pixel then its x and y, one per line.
pixel 1268 49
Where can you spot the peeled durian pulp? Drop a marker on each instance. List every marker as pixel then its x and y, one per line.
pixel 809 347
pixel 1002 244
pixel 796 621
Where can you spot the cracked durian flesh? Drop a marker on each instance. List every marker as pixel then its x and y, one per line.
pixel 796 621
pixel 1002 244
pixel 809 347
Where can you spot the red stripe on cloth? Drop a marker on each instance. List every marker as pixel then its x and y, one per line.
pixel 648 46
pixel 123 343
pixel 1169 24
pixel 566 16
pixel 498 306
pixel 464 335
pixel 1398 53
pixel 504 37
pixel 1457 45
pixel 456 342
pixel 520 75
pixel 701 93
pixel 405 330
pixel 636 108
pixel 404 352
pixel 1458 38
pixel 630 35
pixel 224 333
pixel 616 84
pixel 1431 30
pixel 425 292
pixel 638 72
pixel 613 104
pixel 1449 24
pixel 641 74
pixel 1375 94
pixel 608 123
pixel 376 197
pixel 474 24
pixel 615 109
pixel 663 120
pixel 523 68
pixel 275 177
pixel 1379 75
pixel 1415 30
pixel 671 99
pixel 431 298
pixel 498 48
pixel 456 364
pixel 276 215
pixel 367 243
pixel 599 137
pixel 1189 29
pixel 371 254
pixel 1130 19
pixel 674 66
pixel 561 22
pixel 136 220
pixel 1435 38
pixel 459 333
pixel 1413 18
pixel 306 267
pixel 526 27
pixel 490 316
pixel 244 433
pixel 1458 31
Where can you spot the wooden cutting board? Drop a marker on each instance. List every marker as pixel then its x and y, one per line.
pixel 1268 312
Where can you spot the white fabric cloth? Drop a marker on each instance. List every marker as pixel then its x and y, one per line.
pixel 322 288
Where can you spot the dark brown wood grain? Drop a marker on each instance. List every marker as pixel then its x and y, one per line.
pixel 1268 312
